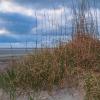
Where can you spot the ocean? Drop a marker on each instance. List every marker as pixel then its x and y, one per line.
pixel 9 52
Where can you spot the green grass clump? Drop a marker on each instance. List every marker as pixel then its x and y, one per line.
pixel 92 86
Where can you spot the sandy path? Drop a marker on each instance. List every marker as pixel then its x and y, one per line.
pixel 58 95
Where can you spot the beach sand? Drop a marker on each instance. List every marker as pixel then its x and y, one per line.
pixel 63 94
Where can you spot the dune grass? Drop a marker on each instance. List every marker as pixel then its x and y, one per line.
pixel 66 66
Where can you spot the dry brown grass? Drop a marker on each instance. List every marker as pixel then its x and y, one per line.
pixel 72 65
pixel 62 66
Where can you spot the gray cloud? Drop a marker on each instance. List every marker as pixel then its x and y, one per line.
pixel 44 3
pixel 54 3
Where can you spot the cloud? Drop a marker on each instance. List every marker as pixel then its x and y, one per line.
pixel 53 19
pixel 9 7
pixel 43 3
pixel 54 3
pixel 4 0
pixel 4 32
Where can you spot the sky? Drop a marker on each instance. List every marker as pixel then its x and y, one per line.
pixel 36 21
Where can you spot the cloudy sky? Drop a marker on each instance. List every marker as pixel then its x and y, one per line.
pixel 36 20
